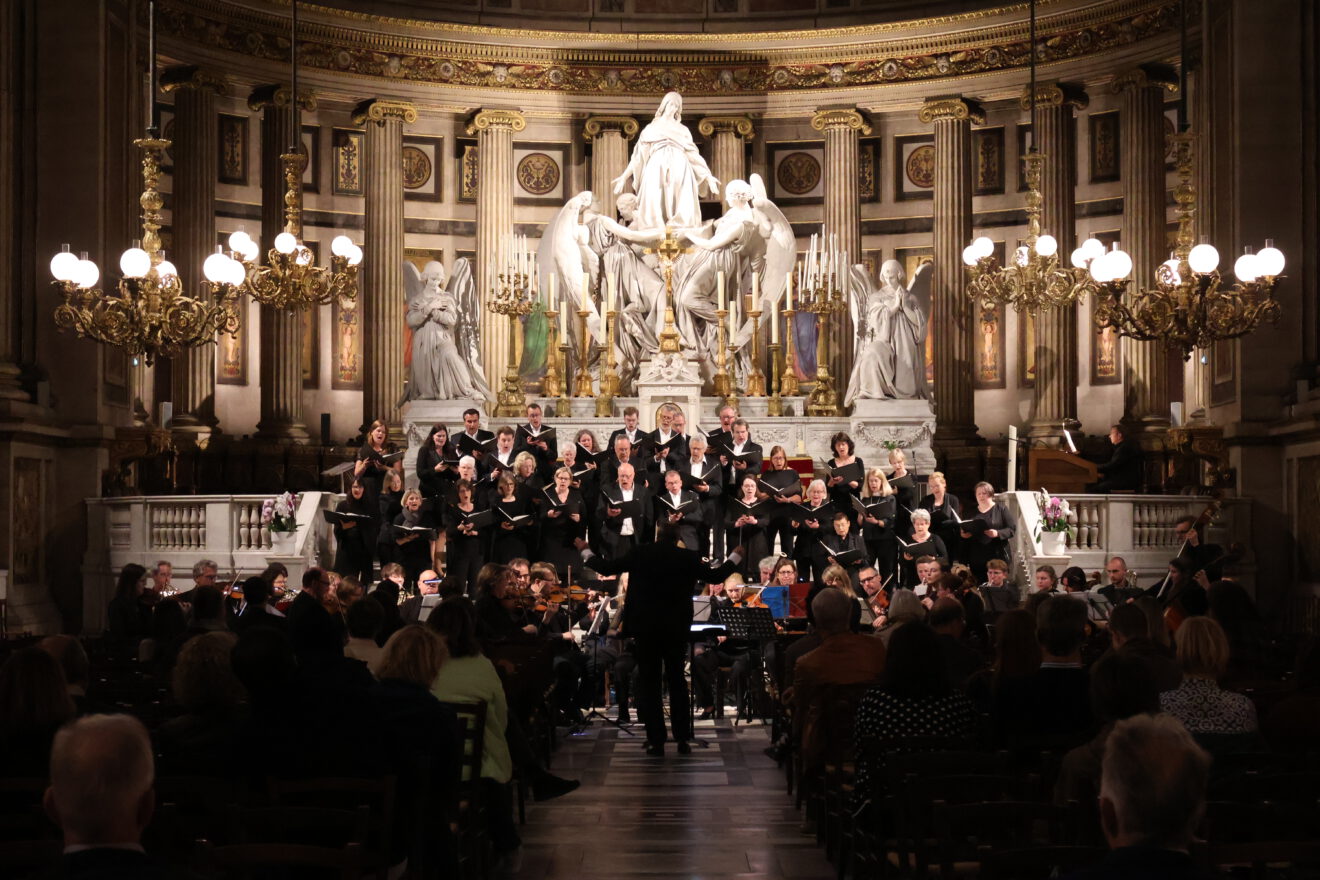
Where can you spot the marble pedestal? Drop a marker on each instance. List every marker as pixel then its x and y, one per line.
pixel 667 378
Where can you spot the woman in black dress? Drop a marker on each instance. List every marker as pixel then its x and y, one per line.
pixel 809 527
pixel 465 543
pixel 437 466
pixel 992 543
pixel 586 478
pixel 746 523
pixel 129 617
pixel 878 522
pixel 904 485
pixel 390 504
pixel 414 548
pixel 561 523
pixel 780 506
pixel 515 522
pixel 920 534
pixel 371 466
pixel 945 514
pixel 849 483
pixel 353 555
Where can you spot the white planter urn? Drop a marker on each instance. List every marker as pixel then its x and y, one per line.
pixel 1054 543
pixel 283 543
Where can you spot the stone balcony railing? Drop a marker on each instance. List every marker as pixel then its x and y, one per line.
pixel 182 530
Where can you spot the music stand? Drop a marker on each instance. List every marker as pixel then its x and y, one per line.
pixel 698 631
pixel 594 633
pixel 755 625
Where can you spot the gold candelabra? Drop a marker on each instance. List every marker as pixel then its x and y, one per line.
pixel 788 382
pixel 511 296
pixel 552 385
pixel 776 405
pixel 148 314
pixel 609 375
pixel 722 381
pixel 582 378
pixel 826 299
pixel 668 250
pixel 565 402
pixel 755 377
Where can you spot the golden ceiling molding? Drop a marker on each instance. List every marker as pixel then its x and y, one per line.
pixel 172 79
pixel 278 95
pixel 951 107
pixel 723 64
pixel 594 125
pixel 739 125
pixel 1055 94
pixel 1163 76
pixel 496 117
pixel 378 110
pixel 840 117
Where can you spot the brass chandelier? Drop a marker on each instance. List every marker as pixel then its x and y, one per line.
pixel 148 314
pixel 290 280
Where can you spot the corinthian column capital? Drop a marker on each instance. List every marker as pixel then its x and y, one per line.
pixel 496 117
pixel 738 125
pixel 378 110
pixel 278 95
pixel 1142 76
pixel 174 79
pixel 597 125
pixel 951 107
pixel 1056 94
pixel 840 117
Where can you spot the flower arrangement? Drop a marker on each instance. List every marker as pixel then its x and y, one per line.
pixel 279 513
pixel 1054 513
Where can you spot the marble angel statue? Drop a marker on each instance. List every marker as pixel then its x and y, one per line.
pixel 666 170
pixel 891 322
pixel 565 253
pixel 640 289
pixel 446 360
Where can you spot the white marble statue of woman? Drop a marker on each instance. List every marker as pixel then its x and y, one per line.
pixel 438 371
pixel 907 329
pixel 565 253
pixel 666 170
pixel 731 246
pixel 873 362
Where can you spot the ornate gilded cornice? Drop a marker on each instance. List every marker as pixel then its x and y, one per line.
pixel 951 107
pixel 378 110
pixel 496 117
pixel 1056 94
pixel 278 95
pixel 840 117
pixel 648 64
pixel 594 125
pixel 1161 76
pixel 739 125
pixel 172 79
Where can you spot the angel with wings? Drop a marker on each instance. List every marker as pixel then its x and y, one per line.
pixel 446 360
pixel 890 360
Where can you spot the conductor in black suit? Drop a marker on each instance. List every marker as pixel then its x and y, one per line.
pixel 658 617
pixel 1123 470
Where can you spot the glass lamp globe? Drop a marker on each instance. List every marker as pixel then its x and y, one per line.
pixel 235 273
pixel 165 269
pixel 1269 262
pixel 1203 259
pixel 1247 268
pixel 64 265
pixel 86 274
pixel 250 252
pixel 1118 264
pixel 1080 258
pixel 239 241
pixel 355 257
pixel 969 255
pixel 1093 247
pixel 984 246
pixel 1101 270
pixel 135 263
pixel 340 245
pixel 216 268
pixel 285 242
pixel 1047 245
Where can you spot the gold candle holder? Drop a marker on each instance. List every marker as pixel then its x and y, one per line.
pixel 609 376
pixel 582 378
pixel 824 400
pixel 731 399
pixel 721 382
pixel 788 380
pixel 756 378
pixel 552 386
pixel 511 299
pixel 776 405
pixel 564 405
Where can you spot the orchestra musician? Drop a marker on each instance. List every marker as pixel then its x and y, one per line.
pixel 1123 471
pixel 1200 556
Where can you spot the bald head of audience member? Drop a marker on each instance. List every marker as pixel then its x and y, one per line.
pixel 833 612
pixel 1152 784
pixel 101 776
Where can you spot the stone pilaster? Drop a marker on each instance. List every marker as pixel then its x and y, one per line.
pixel 950 325
pixel 494 128
pixel 608 136
pixel 196 157
pixel 842 128
pixel 728 140
pixel 11 35
pixel 281 418
pixel 1054 134
pixel 1146 372
pixel 382 275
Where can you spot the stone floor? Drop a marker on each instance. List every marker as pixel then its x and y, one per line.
pixel 721 812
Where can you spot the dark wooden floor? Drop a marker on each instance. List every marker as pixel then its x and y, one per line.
pixel 721 812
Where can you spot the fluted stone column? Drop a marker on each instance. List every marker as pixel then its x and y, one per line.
pixel 951 308
pixel 11 35
pixel 1055 136
pixel 1146 373
pixel 281 418
pixel 608 136
pixel 196 157
pixel 382 275
pixel 728 138
pixel 494 128
pixel 842 128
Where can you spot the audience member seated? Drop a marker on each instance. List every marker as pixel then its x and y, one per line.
pixel 169 626
pixel 946 619
pixel 201 741
pixel 208 612
pixel 101 797
pixel 904 607
pixel 34 702
pixel 1121 687
pixel 843 658
pixel 1017 657
pixel 1152 797
pixel 72 657
pixel 257 610
pixel 913 700
pixel 424 742
pixel 1049 709
pixel 1232 608
pixel 364 620
pixel 1219 719
pixel 129 617
pixel 387 594
pixel 312 628
pixel 1129 633
pixel 1293 724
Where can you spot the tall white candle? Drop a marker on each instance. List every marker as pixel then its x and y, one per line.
pixel 790 292
pixel 756 290
pixel 552 290
pixel 774 322
pixel 719 284
pixel 563 323
pixel 586 291
pixel 613 290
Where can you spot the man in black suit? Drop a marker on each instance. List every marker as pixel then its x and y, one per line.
pixel 724 434
pixel 1124 468
pixel 314 631
pixel 658 616
pixel 101 775
pixel 621 533
pixel 659 459
pixel 622 451
pixel 630 428
pixel 701 473
pixel 546 452
pixel 681 508
pixel 746 457
pixel 428 584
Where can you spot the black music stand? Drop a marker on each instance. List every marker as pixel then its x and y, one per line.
pixel 698 632
pixel 595 634
pixel 754 625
